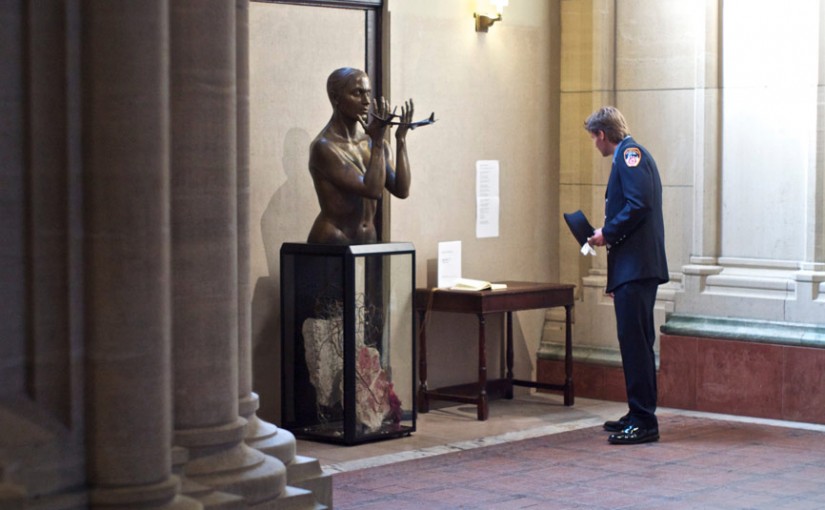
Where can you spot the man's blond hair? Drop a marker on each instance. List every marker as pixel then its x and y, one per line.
pixel 610 120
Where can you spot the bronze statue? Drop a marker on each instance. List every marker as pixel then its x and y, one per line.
pixel 351 168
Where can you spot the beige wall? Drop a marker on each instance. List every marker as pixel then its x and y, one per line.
pixel 741 160
pixel 655 61
pixel 517 94
pixel 767 262
pixel 293 49
pixel 779 96
pixel 495 96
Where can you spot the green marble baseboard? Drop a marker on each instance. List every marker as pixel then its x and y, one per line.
pixel 748 330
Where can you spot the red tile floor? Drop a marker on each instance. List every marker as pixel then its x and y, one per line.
pixel 535 453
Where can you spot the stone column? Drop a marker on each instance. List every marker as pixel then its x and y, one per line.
pixel 205 256
pixel 260 434
pixel 126 197
pixel 815 211
pixel 810 279
pixel 705 246
pixel 815 249
pixel 48 178
pixel 12 198
pixel 302 472
pixel 747 283
pixel 588 81
pixel 707 219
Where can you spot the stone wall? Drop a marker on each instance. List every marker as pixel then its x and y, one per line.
pixel 741 160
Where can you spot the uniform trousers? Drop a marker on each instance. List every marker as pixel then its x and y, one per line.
pixel 633 303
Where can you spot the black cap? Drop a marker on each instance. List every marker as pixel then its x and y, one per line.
pixel 579 226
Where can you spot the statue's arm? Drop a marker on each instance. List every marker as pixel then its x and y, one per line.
pixel 377 167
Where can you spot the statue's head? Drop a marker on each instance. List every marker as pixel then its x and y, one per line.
pixel 339 80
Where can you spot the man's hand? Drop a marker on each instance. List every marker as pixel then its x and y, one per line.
pixel 597 239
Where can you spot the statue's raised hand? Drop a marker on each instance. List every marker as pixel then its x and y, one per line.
pixel 376 128
pixel 405 120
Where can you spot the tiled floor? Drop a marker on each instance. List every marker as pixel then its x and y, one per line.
pixel 702 461
pixel 438 431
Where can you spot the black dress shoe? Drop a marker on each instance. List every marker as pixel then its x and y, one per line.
pixel 634 435
pixel 618 425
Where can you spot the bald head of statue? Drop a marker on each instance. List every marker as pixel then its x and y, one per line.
pixel 339 80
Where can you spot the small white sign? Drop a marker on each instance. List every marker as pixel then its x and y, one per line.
pixel 487 198
pixel 449 263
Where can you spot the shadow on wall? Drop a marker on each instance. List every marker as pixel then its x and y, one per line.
pixel 452 349
pixel 266 351
pixel 524 355
pixel 288 218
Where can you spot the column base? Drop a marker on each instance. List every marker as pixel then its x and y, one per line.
pixel 159 496
pixel 12 497
pixel 265 436
pixel 219 459
pixel 302 472
pixel 306 473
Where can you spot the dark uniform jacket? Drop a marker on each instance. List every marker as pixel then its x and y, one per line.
pixel 634 228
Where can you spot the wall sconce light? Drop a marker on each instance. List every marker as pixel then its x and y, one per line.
pixel 485 21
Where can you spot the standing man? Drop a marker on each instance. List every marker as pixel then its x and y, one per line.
pixel 634 235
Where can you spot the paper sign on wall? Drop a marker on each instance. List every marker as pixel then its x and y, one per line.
pixel 487 198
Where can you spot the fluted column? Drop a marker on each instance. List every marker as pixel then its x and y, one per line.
pixel 12 198
pixel 809 279
pixel 815 203
pixel 126 192
pixel 707 176
pixel 244 312
pixel 260 434
pixel 205 256
pixel 48 178
pixel 706 226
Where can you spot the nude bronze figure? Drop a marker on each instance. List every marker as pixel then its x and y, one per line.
pixel 351 167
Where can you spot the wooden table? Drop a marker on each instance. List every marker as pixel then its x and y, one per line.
pixel 517 296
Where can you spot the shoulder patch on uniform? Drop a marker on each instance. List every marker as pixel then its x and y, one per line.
pixel 632 156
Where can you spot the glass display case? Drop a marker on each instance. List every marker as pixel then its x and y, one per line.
pixel 348 341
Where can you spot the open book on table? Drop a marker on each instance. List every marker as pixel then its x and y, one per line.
pixel 470 284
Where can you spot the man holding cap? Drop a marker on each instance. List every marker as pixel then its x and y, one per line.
pixel 634 235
